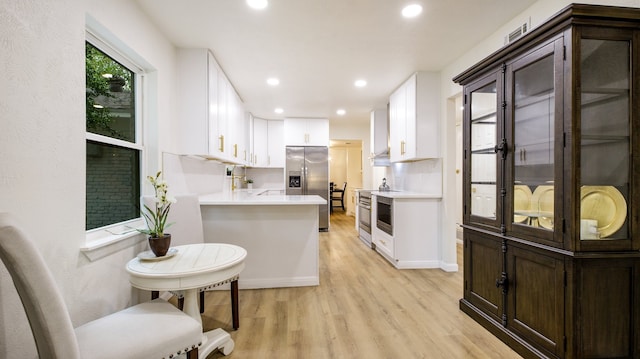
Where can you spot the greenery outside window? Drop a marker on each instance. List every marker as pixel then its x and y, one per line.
pixel 114 141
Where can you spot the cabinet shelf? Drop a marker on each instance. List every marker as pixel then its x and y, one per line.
pixel 489 118
pixel 604 138
pixel 483 182
pixel 598 96
pixel 484 151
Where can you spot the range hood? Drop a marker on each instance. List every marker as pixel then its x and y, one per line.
pixel 381 159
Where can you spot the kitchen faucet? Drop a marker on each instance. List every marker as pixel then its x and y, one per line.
pixel 234 177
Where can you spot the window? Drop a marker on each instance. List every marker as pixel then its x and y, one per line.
pixel 114 148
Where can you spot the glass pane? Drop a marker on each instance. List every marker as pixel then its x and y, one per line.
pixel 483 157
pixel 533 121
pixel 113 178
pixel 605 121
pixel 110 97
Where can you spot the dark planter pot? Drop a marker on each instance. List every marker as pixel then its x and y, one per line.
pixel 160 245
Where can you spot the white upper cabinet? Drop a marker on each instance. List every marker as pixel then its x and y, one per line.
pixel 260 149
pixel 379 141
pixel 414 119
pixel 194 102
pixel 306 131
pixel 267 143
pixel 212 117
pixel 276 148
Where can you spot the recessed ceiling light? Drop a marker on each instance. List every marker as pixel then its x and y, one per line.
pixel 360 83
pixel 278 110
pixel 273 81
pixel 258 4
pixel 341 112
pixel 412 10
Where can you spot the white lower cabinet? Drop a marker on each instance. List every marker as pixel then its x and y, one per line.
pixel 416 233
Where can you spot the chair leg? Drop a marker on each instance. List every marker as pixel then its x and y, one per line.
pixel 181 303
pixel 202 302
pixel 192 354
pixel 155 294
pixel 234 304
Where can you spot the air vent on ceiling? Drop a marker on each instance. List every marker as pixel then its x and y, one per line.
pixel 518 32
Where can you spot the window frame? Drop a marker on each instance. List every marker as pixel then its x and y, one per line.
pixel 99 240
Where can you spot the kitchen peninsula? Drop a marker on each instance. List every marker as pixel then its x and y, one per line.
pixel 279 232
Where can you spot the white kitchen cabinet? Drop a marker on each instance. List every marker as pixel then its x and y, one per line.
pixel 211 113
pixel 414 118
pixel 195 100
pixel 236 128
pixel 267 149
pixel 379 141
pixel 260 148
pixel 416 232
pixel 275 143
pixel 306 131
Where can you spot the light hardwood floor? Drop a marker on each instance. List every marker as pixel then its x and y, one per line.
pixel 363 308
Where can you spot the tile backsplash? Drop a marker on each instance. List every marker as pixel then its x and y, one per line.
pixel 421 176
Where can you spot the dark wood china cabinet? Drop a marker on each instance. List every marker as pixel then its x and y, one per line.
pixel 552 187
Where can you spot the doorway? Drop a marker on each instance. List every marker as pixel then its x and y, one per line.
pixel 345 165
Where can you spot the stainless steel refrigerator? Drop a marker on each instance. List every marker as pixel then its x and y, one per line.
pixel 307 173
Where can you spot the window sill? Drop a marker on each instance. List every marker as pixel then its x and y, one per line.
pixel 102 242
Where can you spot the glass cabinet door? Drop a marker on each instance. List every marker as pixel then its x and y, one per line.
pixel 533 116
pixel 605 121
pixel 483 187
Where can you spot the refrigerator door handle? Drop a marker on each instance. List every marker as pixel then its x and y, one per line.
pixel 303 180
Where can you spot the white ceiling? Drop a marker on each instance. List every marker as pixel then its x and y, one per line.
pixel 318 48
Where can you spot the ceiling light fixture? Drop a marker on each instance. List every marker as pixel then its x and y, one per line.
pixel 360 83
pixel 258 4
pixel 341 112
pixel 412 10
pixel 278 110
pixel 273 81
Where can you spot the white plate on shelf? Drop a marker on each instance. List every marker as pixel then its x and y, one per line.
pixel 149 256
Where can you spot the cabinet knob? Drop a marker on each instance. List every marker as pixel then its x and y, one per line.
pixel 502 148
pixel 503 282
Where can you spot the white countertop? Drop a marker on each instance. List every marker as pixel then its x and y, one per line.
pixel 405 194
pixel 260 197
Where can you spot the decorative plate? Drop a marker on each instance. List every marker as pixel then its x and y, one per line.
pixel 521 202
pixel 606 205
pixel 150 257
pixel 542 201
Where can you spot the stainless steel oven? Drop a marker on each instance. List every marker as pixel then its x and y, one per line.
pixel 364 216
pixel 384 210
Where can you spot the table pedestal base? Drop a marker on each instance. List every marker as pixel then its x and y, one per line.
pixel 216 339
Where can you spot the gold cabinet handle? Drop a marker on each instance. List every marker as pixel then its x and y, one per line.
pixel 402 145
pixel 235 150
pixel 221 143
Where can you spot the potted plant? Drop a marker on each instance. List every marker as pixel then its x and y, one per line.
pixel 249 182
pixel 156 218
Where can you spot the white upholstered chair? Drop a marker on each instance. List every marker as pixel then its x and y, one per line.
pixel 154 329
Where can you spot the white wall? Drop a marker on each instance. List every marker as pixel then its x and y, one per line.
pixel 42 148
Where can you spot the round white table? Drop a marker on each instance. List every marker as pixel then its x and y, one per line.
pixel 194 266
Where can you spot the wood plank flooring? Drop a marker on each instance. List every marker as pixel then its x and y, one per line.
pixel 363 308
